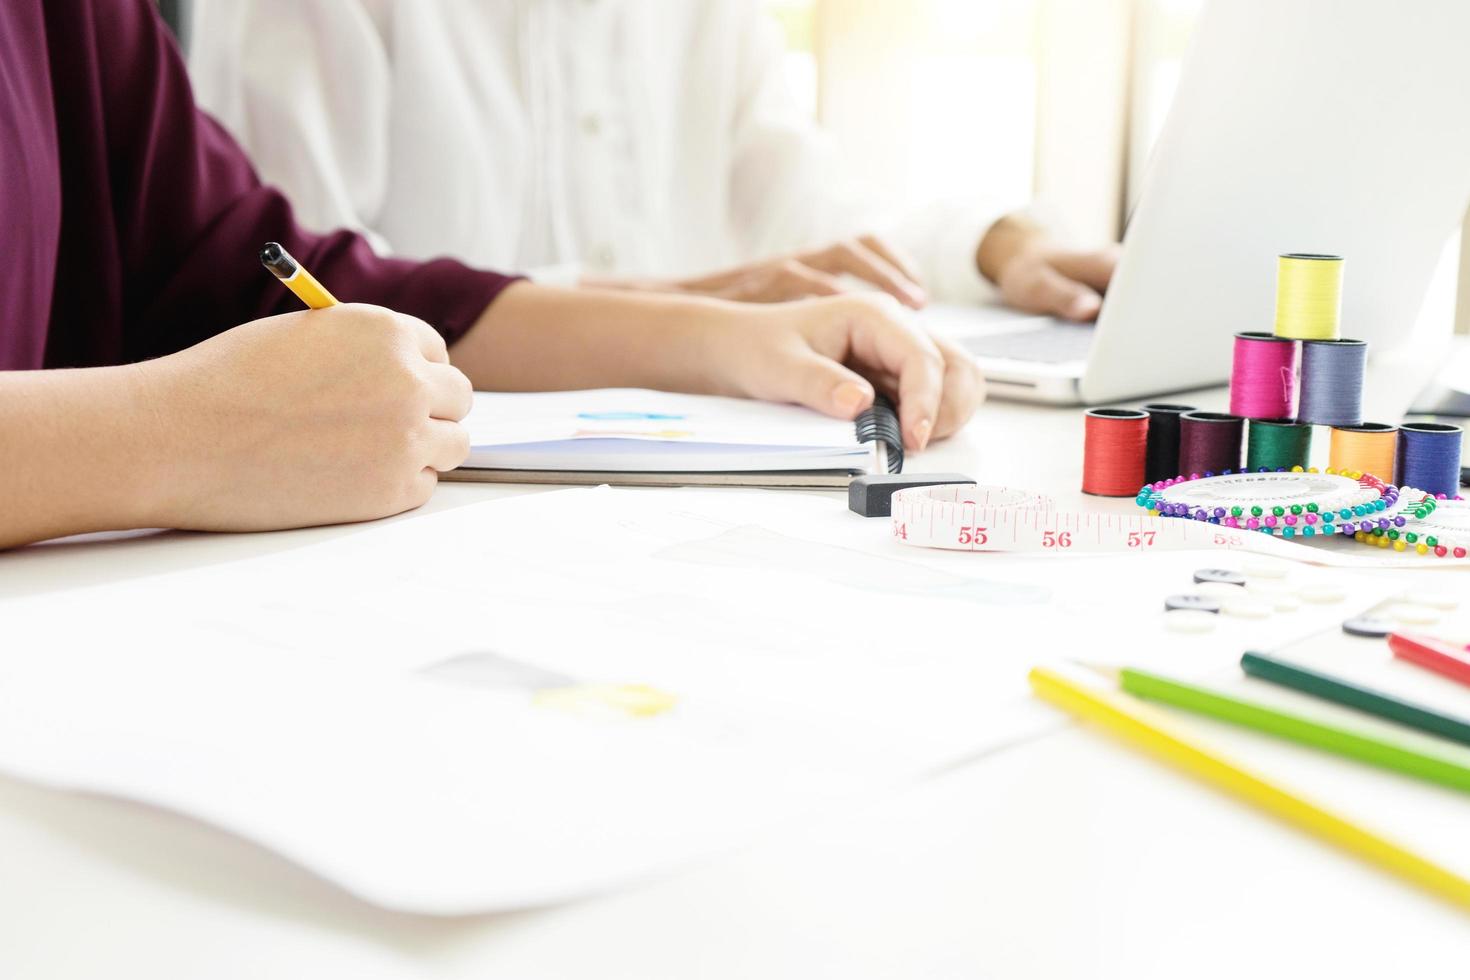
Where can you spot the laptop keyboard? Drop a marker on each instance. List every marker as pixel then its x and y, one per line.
pixel 1053 344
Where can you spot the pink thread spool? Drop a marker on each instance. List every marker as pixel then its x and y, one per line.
pixel 1263 376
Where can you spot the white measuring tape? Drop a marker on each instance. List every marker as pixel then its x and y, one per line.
pixel 967 517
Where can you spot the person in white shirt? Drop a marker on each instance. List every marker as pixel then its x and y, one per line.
pixel 617 143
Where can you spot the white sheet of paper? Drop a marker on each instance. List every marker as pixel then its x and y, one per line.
pixel 368 707
pixel 655 431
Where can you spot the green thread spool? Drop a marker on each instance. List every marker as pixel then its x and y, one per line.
pixel 1278 444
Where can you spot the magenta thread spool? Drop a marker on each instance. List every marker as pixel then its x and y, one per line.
pixel 1209 443
pixel 1429 457
pixel 1263 376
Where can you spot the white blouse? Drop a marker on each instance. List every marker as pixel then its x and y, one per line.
pixel 623 137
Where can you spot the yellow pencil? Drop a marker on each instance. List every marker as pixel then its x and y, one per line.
pixel 1155 732
pixel 279 261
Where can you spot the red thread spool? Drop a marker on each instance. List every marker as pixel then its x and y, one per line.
pixel 1263 376
pixel 1113 449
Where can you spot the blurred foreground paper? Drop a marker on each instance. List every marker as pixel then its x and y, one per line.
pixel 523 701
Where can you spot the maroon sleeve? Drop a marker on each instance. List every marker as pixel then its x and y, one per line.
pixel 191 215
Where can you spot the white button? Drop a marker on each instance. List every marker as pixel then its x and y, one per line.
pixel 1413 614
pixel 1322 592
pixel 1434 600
pixel 604 257
pixel 1189 621
pixel 592 124
pixel 1245 607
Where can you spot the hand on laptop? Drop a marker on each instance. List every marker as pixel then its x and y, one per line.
pixel 817 272
pixel 1037 275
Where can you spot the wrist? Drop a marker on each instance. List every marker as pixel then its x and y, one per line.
pixel 1003 242
pixel 152 462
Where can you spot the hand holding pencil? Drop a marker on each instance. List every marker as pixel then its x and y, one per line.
pixel 340 413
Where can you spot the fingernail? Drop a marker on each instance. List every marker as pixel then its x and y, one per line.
pixel 921 433
pixel 916 296
pixel 849 397
pixel 1084 307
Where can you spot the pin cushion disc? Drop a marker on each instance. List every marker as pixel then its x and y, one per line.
pixel 1291 504
pixel 1436 528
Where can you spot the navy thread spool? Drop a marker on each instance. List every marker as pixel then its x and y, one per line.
pixel 1429 457
pixel 1276 444
pixel 1332 382
pixel 1209 442
pixel 1161 459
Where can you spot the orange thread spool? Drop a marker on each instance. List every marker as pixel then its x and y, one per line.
pixel 1114 444
pixel 1366 448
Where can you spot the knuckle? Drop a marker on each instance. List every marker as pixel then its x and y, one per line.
pixel 461 444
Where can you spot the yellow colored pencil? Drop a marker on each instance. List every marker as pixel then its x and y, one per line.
pixel 1156 733
pixel 295 277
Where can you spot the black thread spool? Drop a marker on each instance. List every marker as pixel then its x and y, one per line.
pixel 1161 459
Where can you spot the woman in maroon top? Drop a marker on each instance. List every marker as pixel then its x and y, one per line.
pixel 179 392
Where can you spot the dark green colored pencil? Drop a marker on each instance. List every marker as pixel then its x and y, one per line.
pixel 1353 696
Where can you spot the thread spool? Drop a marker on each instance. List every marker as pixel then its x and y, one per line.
pixel 1161 459
pixel 1209 442
pixel 1429 457
pixel 1277 444
pixel 1308 296
pixel 1263 376
pixel 1368 448
pixel 1332 382
pixel 1113 448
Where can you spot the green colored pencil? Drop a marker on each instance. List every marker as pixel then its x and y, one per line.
pixel 1364 699
pixel 1372 749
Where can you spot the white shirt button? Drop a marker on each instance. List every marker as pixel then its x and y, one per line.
pixel 603 257
pixel 592 124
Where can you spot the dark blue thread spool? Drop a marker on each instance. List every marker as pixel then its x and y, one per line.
pixel 1429 457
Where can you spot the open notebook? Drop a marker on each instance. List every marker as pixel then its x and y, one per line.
pixel 634 437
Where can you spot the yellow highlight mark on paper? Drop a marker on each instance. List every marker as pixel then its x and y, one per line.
pixel 618 700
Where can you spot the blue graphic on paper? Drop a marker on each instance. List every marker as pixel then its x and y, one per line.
pixel 628 416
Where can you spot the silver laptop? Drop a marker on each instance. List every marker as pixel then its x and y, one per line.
pixel 1327 126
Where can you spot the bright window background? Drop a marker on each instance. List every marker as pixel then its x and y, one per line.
pixel 1161 37
pixel 929 98
pixel 939 98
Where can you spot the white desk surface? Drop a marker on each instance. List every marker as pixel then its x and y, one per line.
pixel 1067 856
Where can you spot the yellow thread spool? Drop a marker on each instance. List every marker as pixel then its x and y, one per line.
pixel 1369 447
pixel 1308 296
